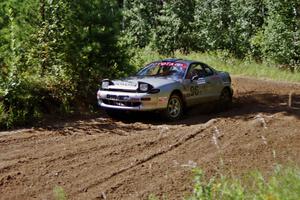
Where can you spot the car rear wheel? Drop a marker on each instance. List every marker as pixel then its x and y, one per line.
pixel 225 99
pixel 174 109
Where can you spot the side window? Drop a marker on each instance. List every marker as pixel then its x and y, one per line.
pixel 195 70
pixel 200 70
pixel 207 70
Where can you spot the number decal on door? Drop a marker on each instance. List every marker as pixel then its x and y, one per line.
pixel 195 90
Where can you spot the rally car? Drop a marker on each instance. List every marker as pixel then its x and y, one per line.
pixel 169 86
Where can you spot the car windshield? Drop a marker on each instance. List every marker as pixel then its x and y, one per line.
pixel 176 69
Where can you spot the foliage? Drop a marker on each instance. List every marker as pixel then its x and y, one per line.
pixel 255 186
pixel 143 56
pixel 248 20
pixel 213 22
pixel 263 29
pixel 174 29
pixel 59 193
pixel 53 53
pixel 281 36
pixel 93 48
pixel 3 117
pixel 139 18
pixel 165 38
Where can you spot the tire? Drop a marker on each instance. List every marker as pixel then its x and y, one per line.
pixel 225 99
pixel 174 109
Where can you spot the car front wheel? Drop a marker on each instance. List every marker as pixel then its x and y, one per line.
pixel 174 109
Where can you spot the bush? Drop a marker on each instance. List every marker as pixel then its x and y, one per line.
pixel 2 115
pixel 27 98
pixel 20 102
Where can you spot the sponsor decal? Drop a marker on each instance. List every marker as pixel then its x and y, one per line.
pixel 196 90
pixel 123 83
pixel 183 65
pixel 201 81
pixel 162 99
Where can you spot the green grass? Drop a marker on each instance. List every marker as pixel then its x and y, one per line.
pixel 224 62
pixel 59 193
pixel 283 184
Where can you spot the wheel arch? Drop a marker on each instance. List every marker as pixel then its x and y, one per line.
pixel 229 89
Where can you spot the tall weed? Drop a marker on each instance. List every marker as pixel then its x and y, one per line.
pixel 283 184
pixel 59 193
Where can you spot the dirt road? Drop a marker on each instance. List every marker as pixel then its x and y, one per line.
pixel 100 158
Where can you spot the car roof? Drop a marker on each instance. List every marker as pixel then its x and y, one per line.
pixel 171 59
pixel 188 62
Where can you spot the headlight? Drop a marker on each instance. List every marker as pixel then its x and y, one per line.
pixel 105 83
pixel 144 87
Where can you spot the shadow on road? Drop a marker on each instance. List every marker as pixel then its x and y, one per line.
pixel 244 106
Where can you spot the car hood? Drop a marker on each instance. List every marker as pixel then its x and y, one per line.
pixel 131 83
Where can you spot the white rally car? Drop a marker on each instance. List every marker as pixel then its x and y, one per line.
pixel 169 85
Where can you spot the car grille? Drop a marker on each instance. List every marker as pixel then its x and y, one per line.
pixel 117 97
pixel 121 103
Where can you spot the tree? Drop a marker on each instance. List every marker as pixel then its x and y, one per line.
pixel 213 21
pixel 92 48
pixel 281 36
pixel 139 20
pixel 247 20
pixel 54 52
pixel 174 29
pixel 16 26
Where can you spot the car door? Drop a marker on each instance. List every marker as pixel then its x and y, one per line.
pixel 213 83
pixel 195 85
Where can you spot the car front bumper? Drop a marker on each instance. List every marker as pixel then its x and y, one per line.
pixel 131 101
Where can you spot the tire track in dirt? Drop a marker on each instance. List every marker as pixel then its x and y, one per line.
pixel 45 141
pixel 143 159
pixel 57 158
